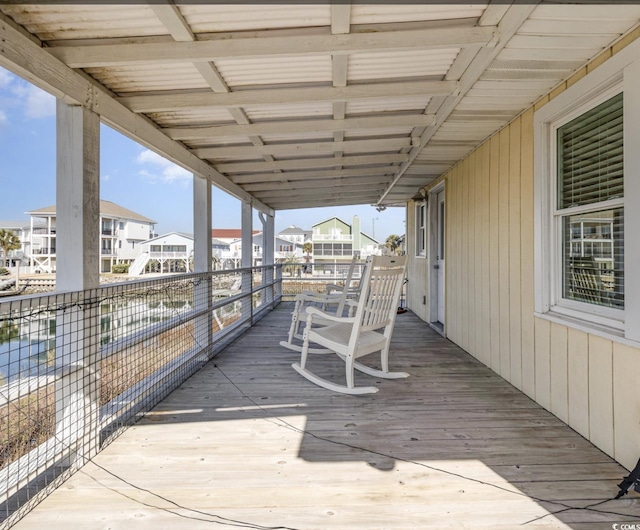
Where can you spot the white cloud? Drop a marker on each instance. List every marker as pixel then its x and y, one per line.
pixel 6 78
pixel 169 172
pixel 39 104
pixel 149 177
pixel 3 118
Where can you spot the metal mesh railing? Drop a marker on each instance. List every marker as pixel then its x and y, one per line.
pixel 77 367
pixel 299 277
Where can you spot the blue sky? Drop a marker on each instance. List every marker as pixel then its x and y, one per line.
pixel 130 174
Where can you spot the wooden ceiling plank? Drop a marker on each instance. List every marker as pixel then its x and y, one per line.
pixel 268 178
pixel 283 96
pixel 309 163
pixel 293 204
pixel 210 50
pixel 337 186
pixel 317 184
pixel 308 148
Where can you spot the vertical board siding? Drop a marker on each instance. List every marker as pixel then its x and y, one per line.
pixel 542 337
pixel 485 255
pixel 477 253
pixel 601 393
pixel 559 372
pixel 587 381
pixel 515 296
pixel 503 254
pixel 526 254
pixel 494 275
pixel 578 380
pixel 626 405
pixel 464 242
pixel 417 288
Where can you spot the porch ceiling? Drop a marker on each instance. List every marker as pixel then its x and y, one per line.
pixel 296 106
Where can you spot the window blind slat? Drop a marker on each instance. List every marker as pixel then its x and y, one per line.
pixel 590 156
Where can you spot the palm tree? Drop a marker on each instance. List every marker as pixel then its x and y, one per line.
pixel 290 264
pixel 8 242
pixel 307 248
pixel 393 243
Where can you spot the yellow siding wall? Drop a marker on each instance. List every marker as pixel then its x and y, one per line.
pixel 417 289
pixel 585 380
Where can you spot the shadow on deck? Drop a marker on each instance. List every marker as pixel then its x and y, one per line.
pixel 246 442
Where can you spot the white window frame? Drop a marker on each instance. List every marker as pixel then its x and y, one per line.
pixel 421 229
pixel 620 73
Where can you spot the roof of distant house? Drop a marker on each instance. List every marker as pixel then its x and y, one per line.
pixel 293 230
pixel 107 208
pixel 229 233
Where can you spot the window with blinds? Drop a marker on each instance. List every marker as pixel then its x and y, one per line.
pixel 421 229
pixel 590 173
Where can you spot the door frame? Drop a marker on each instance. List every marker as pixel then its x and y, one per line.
pixel 432 273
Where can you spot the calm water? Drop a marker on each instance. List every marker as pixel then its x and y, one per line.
pixel 20 357
pixel 23 350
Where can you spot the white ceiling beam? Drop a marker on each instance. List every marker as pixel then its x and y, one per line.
pixel 309 163
pixel 340 18
pixel 103 55
pixel 316 184
pixel 31 62
pixel 186 100
pixel 337 188
pixel 311 174
pixel 339 194
pixel 294 204
pixel 307 148
pixel 300 126
pixel 172 19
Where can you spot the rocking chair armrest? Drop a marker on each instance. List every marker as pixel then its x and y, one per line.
pixel 331 287
pixel 310 296
pixel 311 311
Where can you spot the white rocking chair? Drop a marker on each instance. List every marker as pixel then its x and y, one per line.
pixel 368 331
pixel 335 298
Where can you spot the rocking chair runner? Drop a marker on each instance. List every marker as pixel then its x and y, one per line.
pixel 336 298
pixel 368 331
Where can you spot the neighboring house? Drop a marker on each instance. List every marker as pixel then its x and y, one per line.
pixel 335 242
pixel 283 250
pixel 296 235
pixel 218 248
pixel 166 253
pixel 121 233
pixel 21 229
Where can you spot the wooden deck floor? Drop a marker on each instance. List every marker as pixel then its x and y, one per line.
pixel 248 443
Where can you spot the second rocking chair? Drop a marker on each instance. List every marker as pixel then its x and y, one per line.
pixel 368 331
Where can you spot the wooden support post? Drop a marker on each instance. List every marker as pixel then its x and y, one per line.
pixel 247 260
pixel 77 269
pixel 202 263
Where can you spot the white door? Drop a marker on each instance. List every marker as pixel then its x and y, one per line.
pixel 440 250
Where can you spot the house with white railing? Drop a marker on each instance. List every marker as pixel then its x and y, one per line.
pixel 335 242
pixel 121 233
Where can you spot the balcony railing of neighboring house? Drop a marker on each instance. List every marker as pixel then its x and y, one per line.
pixel 44 251
pixel 44 231
pixel 106 251
pixel 77 367
pixel 107 231
pixel 329 237
pixel 168 255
